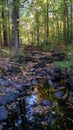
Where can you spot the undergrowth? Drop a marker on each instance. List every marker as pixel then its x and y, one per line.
pixel 66 64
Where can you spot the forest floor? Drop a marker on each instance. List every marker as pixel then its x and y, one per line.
pixel 46 89
pixel 34 64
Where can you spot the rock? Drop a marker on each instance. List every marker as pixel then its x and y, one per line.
pixel 59 55
pixel 56 70
pixel 25 86
pixel 57 85
pixel 49 118
pixel 59 94
pixel 2 102
pixel 55 74
pixel 41 64
pixel 47 59
pixel 14 70
pixel 46 103
pixel 24 59
pixel 21 59
pixel 50 83
pixel 70 83
pixel 4 82
pixel 9 82
pixel 41 73
pixel 46 70
pixel 9 98
pixel 3 113
pixel 33 82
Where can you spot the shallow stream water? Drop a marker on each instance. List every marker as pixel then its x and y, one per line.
pixel 49 108
pixel 44 108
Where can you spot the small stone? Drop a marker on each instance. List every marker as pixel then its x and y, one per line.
pixel 59 94
pixel 8 98
pixel 46 103
pixel 3 113
pixel 50 83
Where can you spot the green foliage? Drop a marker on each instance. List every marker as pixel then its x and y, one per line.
pixel 52 46
pixel 48 46
pixel 67 64
pixel 6 52
pixel 32 22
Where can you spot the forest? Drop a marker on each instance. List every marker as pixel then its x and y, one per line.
pixel 36 64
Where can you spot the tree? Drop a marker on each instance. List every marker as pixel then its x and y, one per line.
pixel 47 21
pixel 16 26
pixel 4 25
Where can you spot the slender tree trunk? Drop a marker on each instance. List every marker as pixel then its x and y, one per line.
pixel 71 11
pixel 58 33
pixel 18 20
pixel 1 37
pixel 9 29
pixel 57 27
pixel 64 30
pixel 5 40
pixel 32 37
pixel 15 26
pixel 61 28
pixel 44 29
pixel 67 22
pixel 47 22
pixel 37 22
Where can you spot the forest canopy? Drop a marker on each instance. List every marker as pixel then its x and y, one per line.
pixel 35 22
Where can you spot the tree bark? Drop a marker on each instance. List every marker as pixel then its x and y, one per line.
pixel 1 37
pixel 5 40
pixel 47 21
pixel 15 26
pixel 67 23
pixel 37 22
pixel 71 36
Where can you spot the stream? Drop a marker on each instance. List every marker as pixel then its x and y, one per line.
pixel 40 98
pixel 47 109
pixel 44 108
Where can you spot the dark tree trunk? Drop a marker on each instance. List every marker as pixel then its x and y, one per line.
pixel 15 26
pixel 64 30
pixel 1 37
pixel 37 22
pixel 18 20
pixel 47 22
pixel 67 22
pixel 71 32
pixel 9 37
pixel 5 41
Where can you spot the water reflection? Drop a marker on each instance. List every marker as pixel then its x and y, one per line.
pixel 32 99
pixel 46 108
pixel 55 116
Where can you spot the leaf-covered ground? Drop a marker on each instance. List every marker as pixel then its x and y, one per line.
pixel 47 91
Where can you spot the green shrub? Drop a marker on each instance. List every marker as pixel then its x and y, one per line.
pixel 66 63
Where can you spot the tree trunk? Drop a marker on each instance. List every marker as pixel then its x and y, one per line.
pixel 67 23
pixel 37 22
pixel 5 41
pixel 47 21
pixel 64 30
pixel 15 26
pixel 18 20
pixel 1 37
pixel 71 36
pixel 9 40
